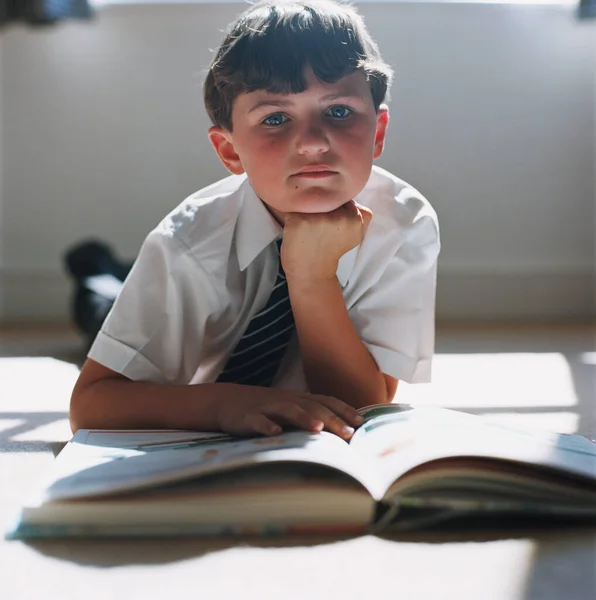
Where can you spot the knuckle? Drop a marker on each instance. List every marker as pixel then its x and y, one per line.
pixel 338 421
pixel 334 403
pixel 329 417
pixel 291 411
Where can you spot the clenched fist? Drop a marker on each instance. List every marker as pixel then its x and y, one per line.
pixel 313 243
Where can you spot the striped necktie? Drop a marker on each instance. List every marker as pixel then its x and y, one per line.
pixel 257 356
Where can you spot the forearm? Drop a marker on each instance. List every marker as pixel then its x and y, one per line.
pixel 336 362
pixel 104 399
pixel 118 403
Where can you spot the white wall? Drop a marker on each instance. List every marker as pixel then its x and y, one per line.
pixel 492 119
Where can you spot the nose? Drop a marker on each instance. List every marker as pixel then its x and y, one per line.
pixel 312 139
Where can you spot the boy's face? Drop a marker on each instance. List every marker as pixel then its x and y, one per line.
pixel 309 152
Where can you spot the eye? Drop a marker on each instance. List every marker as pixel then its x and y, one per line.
pixel 339 112
pixel 275 120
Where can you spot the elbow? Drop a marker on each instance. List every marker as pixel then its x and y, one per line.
pixel 78 413
pixel 390 388
pixel 75 422
pixel 88 399
pixel 75 417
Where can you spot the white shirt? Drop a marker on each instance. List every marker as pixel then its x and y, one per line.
pixel 211 264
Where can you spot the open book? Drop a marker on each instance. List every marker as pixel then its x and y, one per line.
pixel 405 467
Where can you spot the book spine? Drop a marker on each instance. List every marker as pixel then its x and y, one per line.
pixel 386 513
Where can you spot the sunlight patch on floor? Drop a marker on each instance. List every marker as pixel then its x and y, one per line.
pixel 561 422
pixel 506 380
pixel 39 384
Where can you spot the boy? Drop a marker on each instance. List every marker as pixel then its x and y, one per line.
pixel 218 326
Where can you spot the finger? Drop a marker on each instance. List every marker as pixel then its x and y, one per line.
pixel 293 414
pixel 348 413
pixel 259 423
pixel 332 421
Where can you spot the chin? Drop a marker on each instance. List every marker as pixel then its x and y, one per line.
pixel 321 209
pixel 318 202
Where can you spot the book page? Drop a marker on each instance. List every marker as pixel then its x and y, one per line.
pixel 105 462
pixel 398 438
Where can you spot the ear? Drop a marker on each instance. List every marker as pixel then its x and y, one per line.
pixel 223 143
pixel 382 123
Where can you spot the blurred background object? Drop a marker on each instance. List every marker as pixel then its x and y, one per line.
pixel 98 275
pixel 587 9
pixel 42 12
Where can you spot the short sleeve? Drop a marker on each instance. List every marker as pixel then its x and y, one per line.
pixel 395 316
pixel 155 329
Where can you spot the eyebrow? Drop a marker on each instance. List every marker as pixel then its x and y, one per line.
pixel 285 103
pixel 271 103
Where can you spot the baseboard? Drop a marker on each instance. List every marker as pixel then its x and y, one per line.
pixel 45 296
pixel 34 295
pixel 534 296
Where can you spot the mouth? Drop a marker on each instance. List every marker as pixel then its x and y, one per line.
pixel 315 172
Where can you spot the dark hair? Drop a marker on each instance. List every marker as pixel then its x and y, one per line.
pixel 269 46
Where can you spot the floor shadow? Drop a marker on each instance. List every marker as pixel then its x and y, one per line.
pixel 32 446
pixel 479 532
pixel 151 551
pixel 563 568
pixel 117 552
pixel 25 422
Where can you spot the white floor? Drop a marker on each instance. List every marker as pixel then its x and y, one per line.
pixel 529 376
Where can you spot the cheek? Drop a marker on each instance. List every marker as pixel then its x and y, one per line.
pixel 357 149
pixel 265 154
pixel 264 161
pixel 357 143
pixel 367 137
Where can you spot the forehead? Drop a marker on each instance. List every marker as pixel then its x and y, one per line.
pixel 353 86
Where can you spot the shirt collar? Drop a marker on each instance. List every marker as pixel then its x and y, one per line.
pixel 256 229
